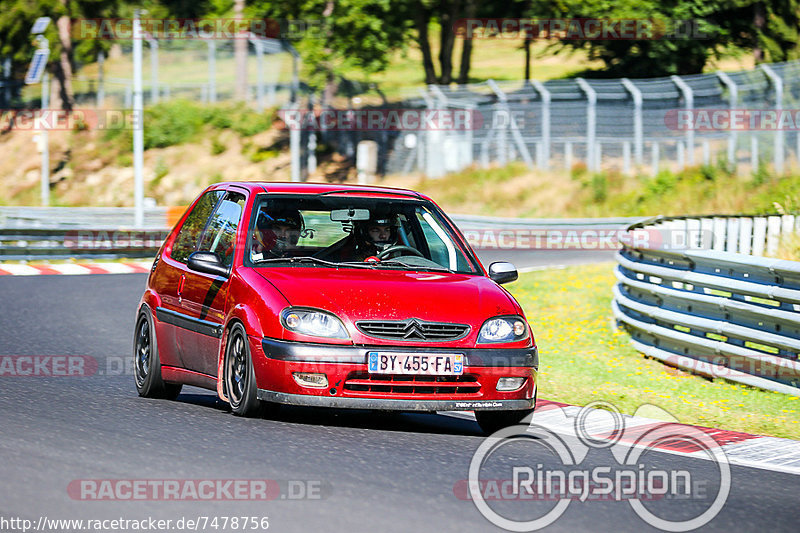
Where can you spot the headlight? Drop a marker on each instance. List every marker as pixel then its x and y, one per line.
pixel 503 329
pixel 314 323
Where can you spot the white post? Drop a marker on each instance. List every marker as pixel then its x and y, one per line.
pixel 688 98
pixel 777 83
pixel 591 122
pixel 138 129
pixel 101 88
pixel 45 142
pixel 546 99
pixel 654 169
pixel 638 136
pixel 733 99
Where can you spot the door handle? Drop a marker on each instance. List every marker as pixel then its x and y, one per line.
pixel 180 286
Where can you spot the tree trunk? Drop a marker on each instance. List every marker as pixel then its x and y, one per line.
pixel 527 46
pixel 470 9
pixel 759 19
pixel 448 16
pixel 421 19
pixel 240 45
pixel 63 69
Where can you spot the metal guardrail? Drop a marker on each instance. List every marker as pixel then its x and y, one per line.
pixel 709 311
pixel 155 218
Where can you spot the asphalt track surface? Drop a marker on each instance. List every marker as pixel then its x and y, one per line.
pixel 374 472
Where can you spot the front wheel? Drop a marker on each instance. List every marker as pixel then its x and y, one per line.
pixel 146 363
pixel 491 421
pixel 240 380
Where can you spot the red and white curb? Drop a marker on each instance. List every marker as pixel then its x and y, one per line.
pixel 744 449
pixel 75 269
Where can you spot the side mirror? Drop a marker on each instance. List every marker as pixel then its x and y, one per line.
pixel 503 272
pixel 208 263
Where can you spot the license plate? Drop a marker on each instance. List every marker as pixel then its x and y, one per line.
pixel 440 364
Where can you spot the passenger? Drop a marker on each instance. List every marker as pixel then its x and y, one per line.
pixel 277 234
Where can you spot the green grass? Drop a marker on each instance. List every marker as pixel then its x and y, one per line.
pixel 515 190
pixel 584 358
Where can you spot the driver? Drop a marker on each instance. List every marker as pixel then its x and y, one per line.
pixel 277 234
pixel 375 235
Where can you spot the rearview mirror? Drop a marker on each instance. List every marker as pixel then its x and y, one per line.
pixel 208 263
pixel 347 215
pixel 503 272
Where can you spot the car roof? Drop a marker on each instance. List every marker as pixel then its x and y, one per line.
pixel 321 188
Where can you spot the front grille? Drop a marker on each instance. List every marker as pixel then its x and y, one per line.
pixel 412 330
pixel 393 384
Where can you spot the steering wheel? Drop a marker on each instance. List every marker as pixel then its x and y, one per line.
pixel 398 248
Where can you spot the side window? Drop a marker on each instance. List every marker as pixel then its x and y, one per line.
pixel 189 234
pixel 220 233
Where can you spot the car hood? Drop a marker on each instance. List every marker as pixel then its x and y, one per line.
pixel 355 294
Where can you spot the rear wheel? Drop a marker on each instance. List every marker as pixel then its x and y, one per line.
pixel 146 364
pixel 240 380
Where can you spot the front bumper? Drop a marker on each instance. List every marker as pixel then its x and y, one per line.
pixel 275 361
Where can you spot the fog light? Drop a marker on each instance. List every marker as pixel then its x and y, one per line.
pixel 509 384
pixel 307 379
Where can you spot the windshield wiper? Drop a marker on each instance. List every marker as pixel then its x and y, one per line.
pixel 307 259
pixel 395 262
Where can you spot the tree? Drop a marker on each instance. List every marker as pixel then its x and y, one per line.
pixel 768 25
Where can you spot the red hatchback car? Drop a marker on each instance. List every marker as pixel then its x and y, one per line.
pixel 332 296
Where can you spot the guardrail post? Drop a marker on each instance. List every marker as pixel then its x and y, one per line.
pixel 638 139
pixel 688 98
pixel 544 163
pixel 777 83
pixel 733 99
pixel 591 122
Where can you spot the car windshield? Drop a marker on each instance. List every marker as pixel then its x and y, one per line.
pixel 344 231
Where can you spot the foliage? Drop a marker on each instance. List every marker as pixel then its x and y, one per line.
pixel 720 23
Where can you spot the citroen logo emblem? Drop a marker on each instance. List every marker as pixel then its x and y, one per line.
pixel 413 330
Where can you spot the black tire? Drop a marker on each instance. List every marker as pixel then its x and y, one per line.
pixel 146 363
pixel 240 379
pixel 491 421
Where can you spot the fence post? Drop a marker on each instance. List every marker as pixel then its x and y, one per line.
pixel 733 99
pixel 706 152
pixel 777 83
pixel 512 124
pixel 591 122
pixel 544 163
pixel 502 150
pixel 655 156
pixel 626 157
pixel 753 152
pixel 638 140
pixel 681 155
pixel 7 80
pixel 568 155
pixel 101 88
pixel 688 98
pixel 212 70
